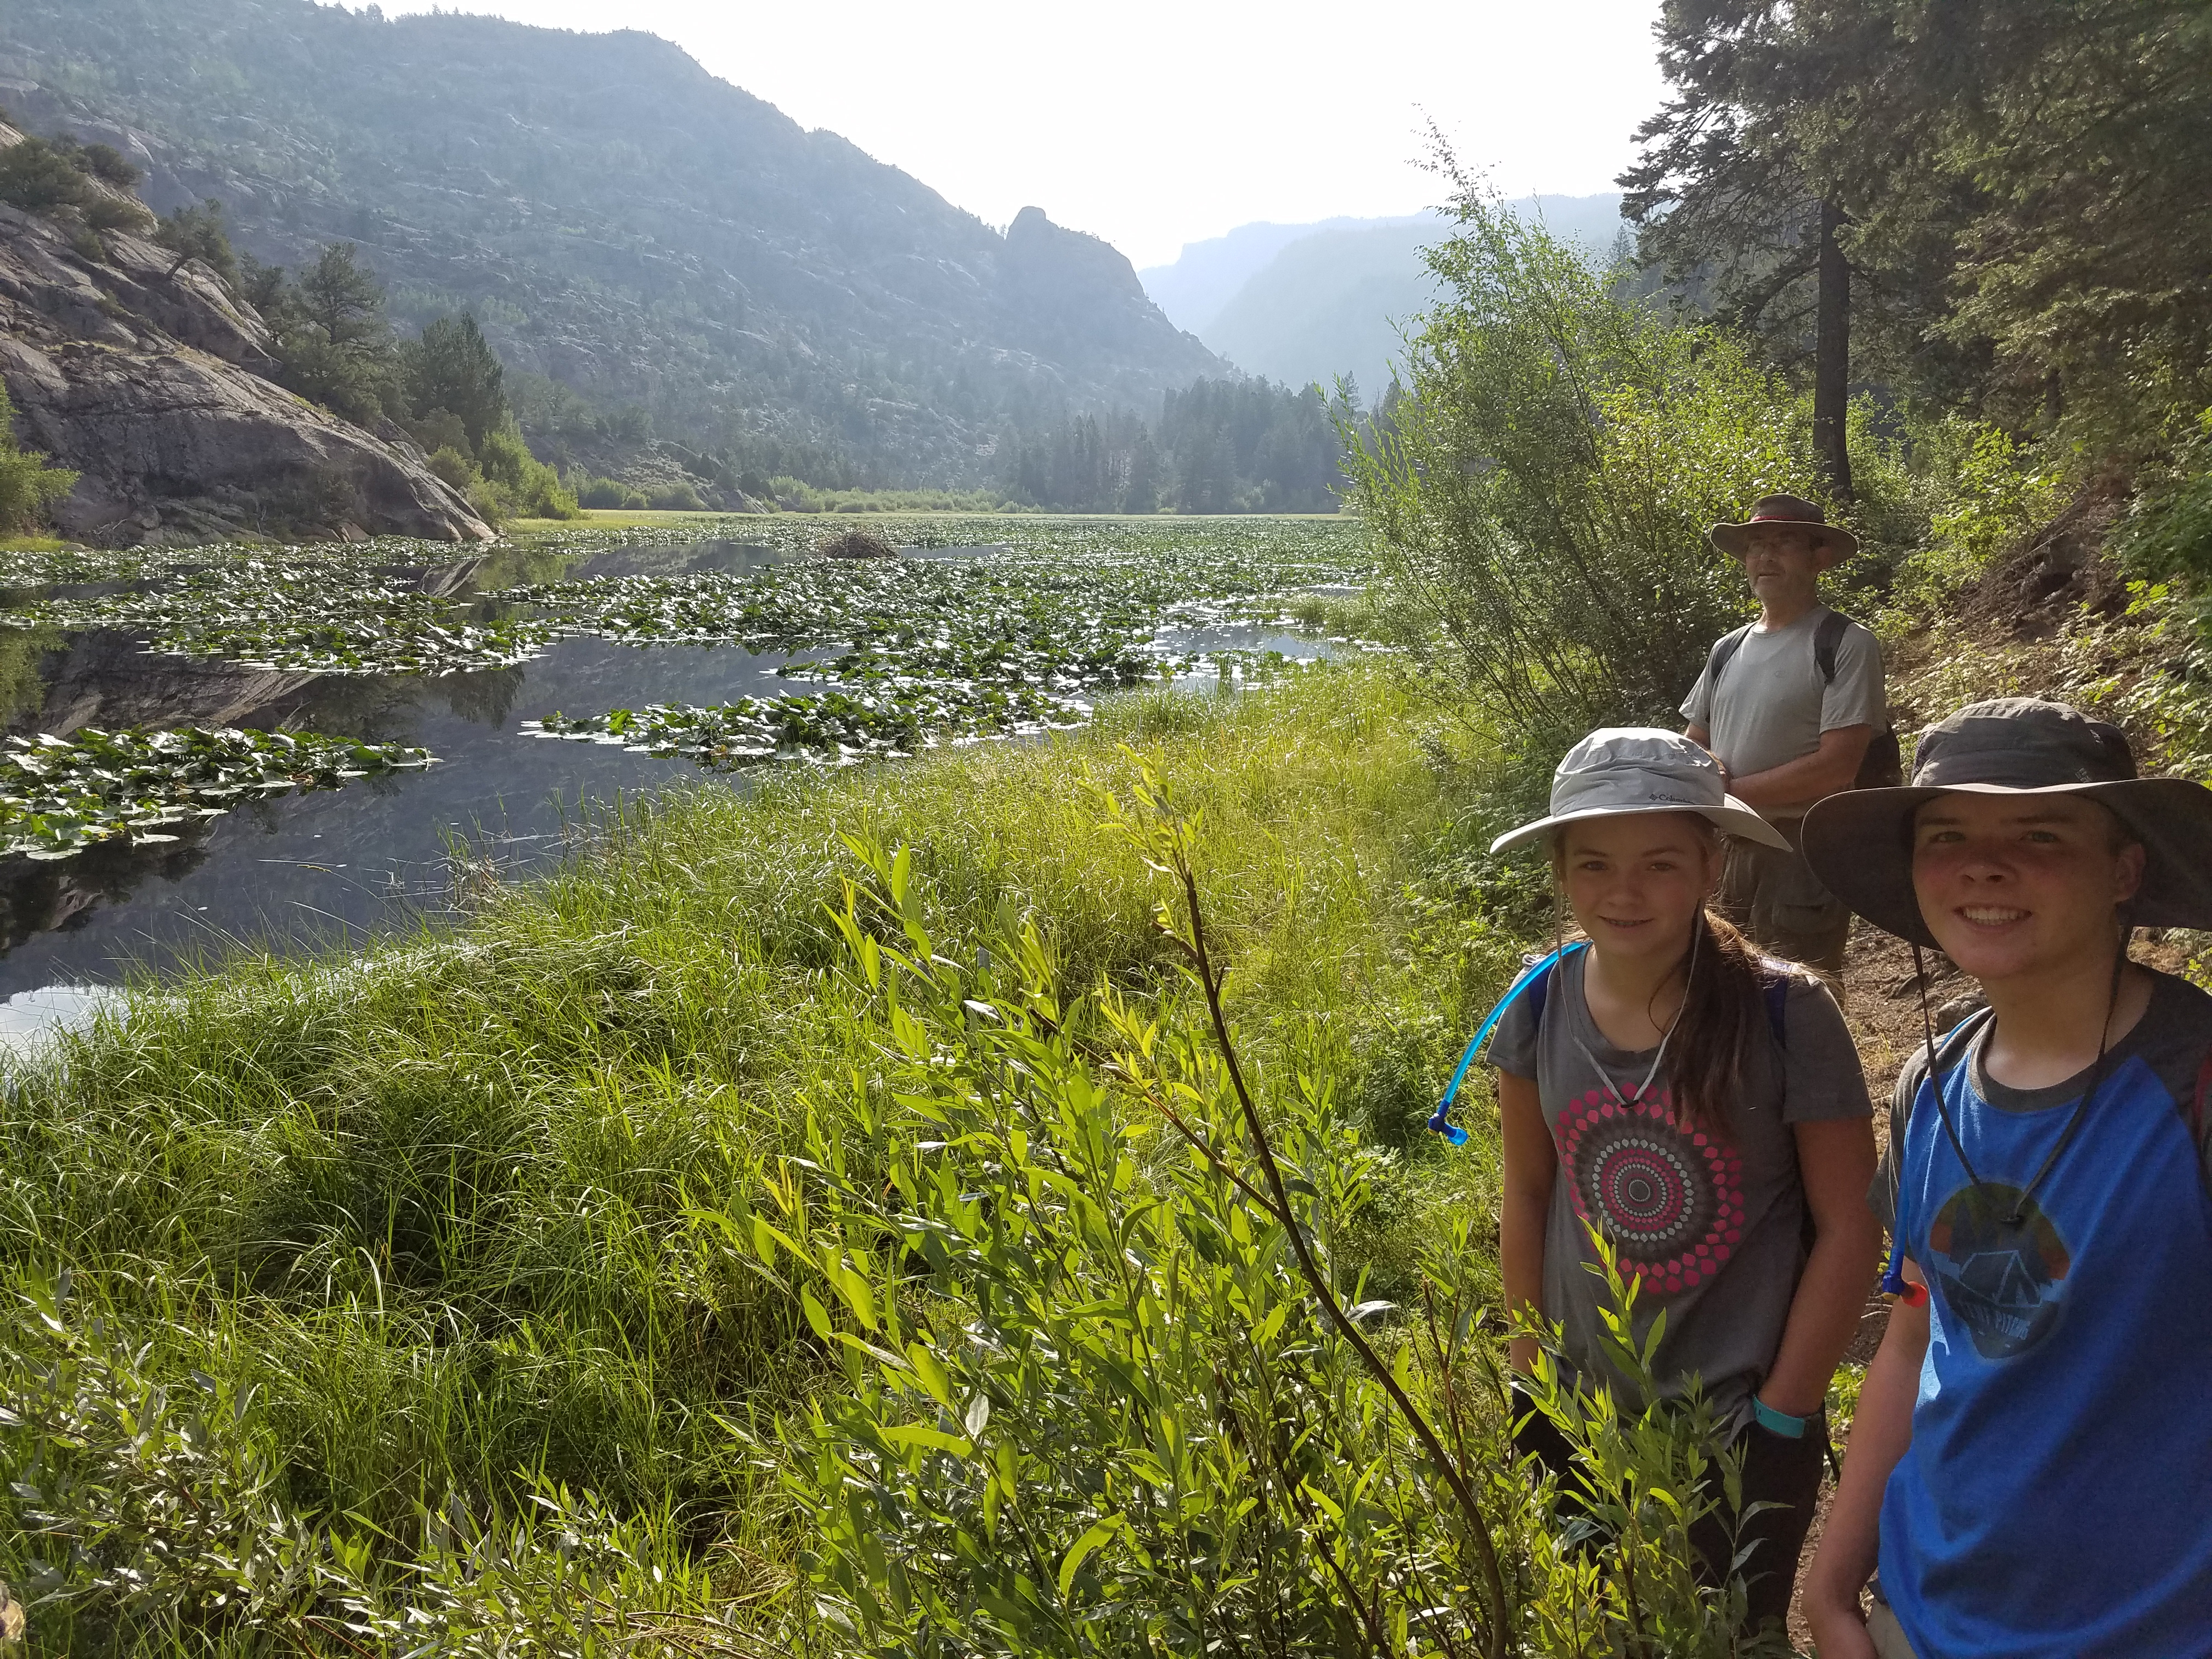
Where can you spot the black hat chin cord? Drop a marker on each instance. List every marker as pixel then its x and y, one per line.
pixel 2081 1108
pixel 1935 1077
pixel 2096 1077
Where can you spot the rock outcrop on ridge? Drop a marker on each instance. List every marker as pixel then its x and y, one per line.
pixel 149 381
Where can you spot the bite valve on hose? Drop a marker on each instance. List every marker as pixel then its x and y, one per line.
pixel 1895 1285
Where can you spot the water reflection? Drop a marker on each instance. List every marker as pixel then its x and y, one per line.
pixel 30 1020
pixel 337 867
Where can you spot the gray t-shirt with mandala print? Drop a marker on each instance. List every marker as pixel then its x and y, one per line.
pixel 1710 1223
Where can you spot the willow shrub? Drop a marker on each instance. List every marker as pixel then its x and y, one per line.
pixel 1112 1387
pixel 1540 497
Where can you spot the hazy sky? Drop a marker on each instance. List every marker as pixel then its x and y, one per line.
pixel 1152 122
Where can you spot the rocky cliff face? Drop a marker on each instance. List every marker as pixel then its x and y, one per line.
pixel 147 381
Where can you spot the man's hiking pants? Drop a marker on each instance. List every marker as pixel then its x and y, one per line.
pixel 1775 897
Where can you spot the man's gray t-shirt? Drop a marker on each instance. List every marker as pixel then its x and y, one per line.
pixel 1772 705
pixel 1710 1223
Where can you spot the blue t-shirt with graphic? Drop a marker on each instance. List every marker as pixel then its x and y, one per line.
pixel 2055 1502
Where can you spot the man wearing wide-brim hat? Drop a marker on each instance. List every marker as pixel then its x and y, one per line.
pixel 1791 706
pixel 2032 1454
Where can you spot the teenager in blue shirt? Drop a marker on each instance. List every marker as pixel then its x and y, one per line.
pixel 2031 1465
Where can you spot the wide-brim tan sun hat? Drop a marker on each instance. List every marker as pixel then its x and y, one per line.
pixel 1833 540
pixel 1619 770
pixel 1860 842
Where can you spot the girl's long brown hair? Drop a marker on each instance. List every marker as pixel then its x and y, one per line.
pixel 1723 1023
pixel 1723 1018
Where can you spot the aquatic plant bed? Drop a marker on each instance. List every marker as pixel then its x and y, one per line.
pixel 61 795
pixel 326 615
pixel 990 640
pixel 940 649
pixel 1120 590
pixel 839 727
pixel 42 567
pixel 1054 606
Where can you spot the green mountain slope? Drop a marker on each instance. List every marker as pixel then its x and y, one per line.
pixel 619 220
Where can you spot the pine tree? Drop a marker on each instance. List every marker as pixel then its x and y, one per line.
pixel 2006 200
pixel 1727 189
pixel 333 339
pixel 454 369
pixel 1141 492
pixel 2085 127
pixel 200 232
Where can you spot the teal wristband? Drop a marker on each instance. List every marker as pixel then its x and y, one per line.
pixel 1775 1422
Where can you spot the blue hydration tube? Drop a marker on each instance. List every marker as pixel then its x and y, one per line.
pixel 1440 1119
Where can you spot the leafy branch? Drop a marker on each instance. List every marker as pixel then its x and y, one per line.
pixel 1167 841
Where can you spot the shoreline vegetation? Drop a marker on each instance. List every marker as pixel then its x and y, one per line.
pixel 709 524
pixel 734 524
pixel 437 1213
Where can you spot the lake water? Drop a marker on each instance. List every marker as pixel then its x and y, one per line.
pixel 323 869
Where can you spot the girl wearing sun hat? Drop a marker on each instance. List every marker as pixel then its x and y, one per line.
pixel 2031 1464
pixel 1704 1109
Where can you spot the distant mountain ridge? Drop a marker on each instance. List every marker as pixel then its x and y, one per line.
pixel 618 219
pixel 1305 303
pixel 1206 276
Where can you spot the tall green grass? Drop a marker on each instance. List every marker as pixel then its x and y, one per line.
pixel 439 1205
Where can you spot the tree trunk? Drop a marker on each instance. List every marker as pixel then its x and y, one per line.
pixel 1832 359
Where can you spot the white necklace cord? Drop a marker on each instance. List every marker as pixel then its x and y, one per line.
pixel 1605 1077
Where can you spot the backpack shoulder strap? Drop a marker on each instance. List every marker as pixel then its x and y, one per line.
pixel 1774 978
pixel 1540 988
pixel 1723 652
pixel 1958 1040
pixel 1826 639
pixel 2195 1114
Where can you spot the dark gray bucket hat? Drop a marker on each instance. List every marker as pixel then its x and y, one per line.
pixel 1619 769
pixel 1860 842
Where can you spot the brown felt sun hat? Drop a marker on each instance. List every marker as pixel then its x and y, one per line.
pixel 1833 540
pixel 1860 842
